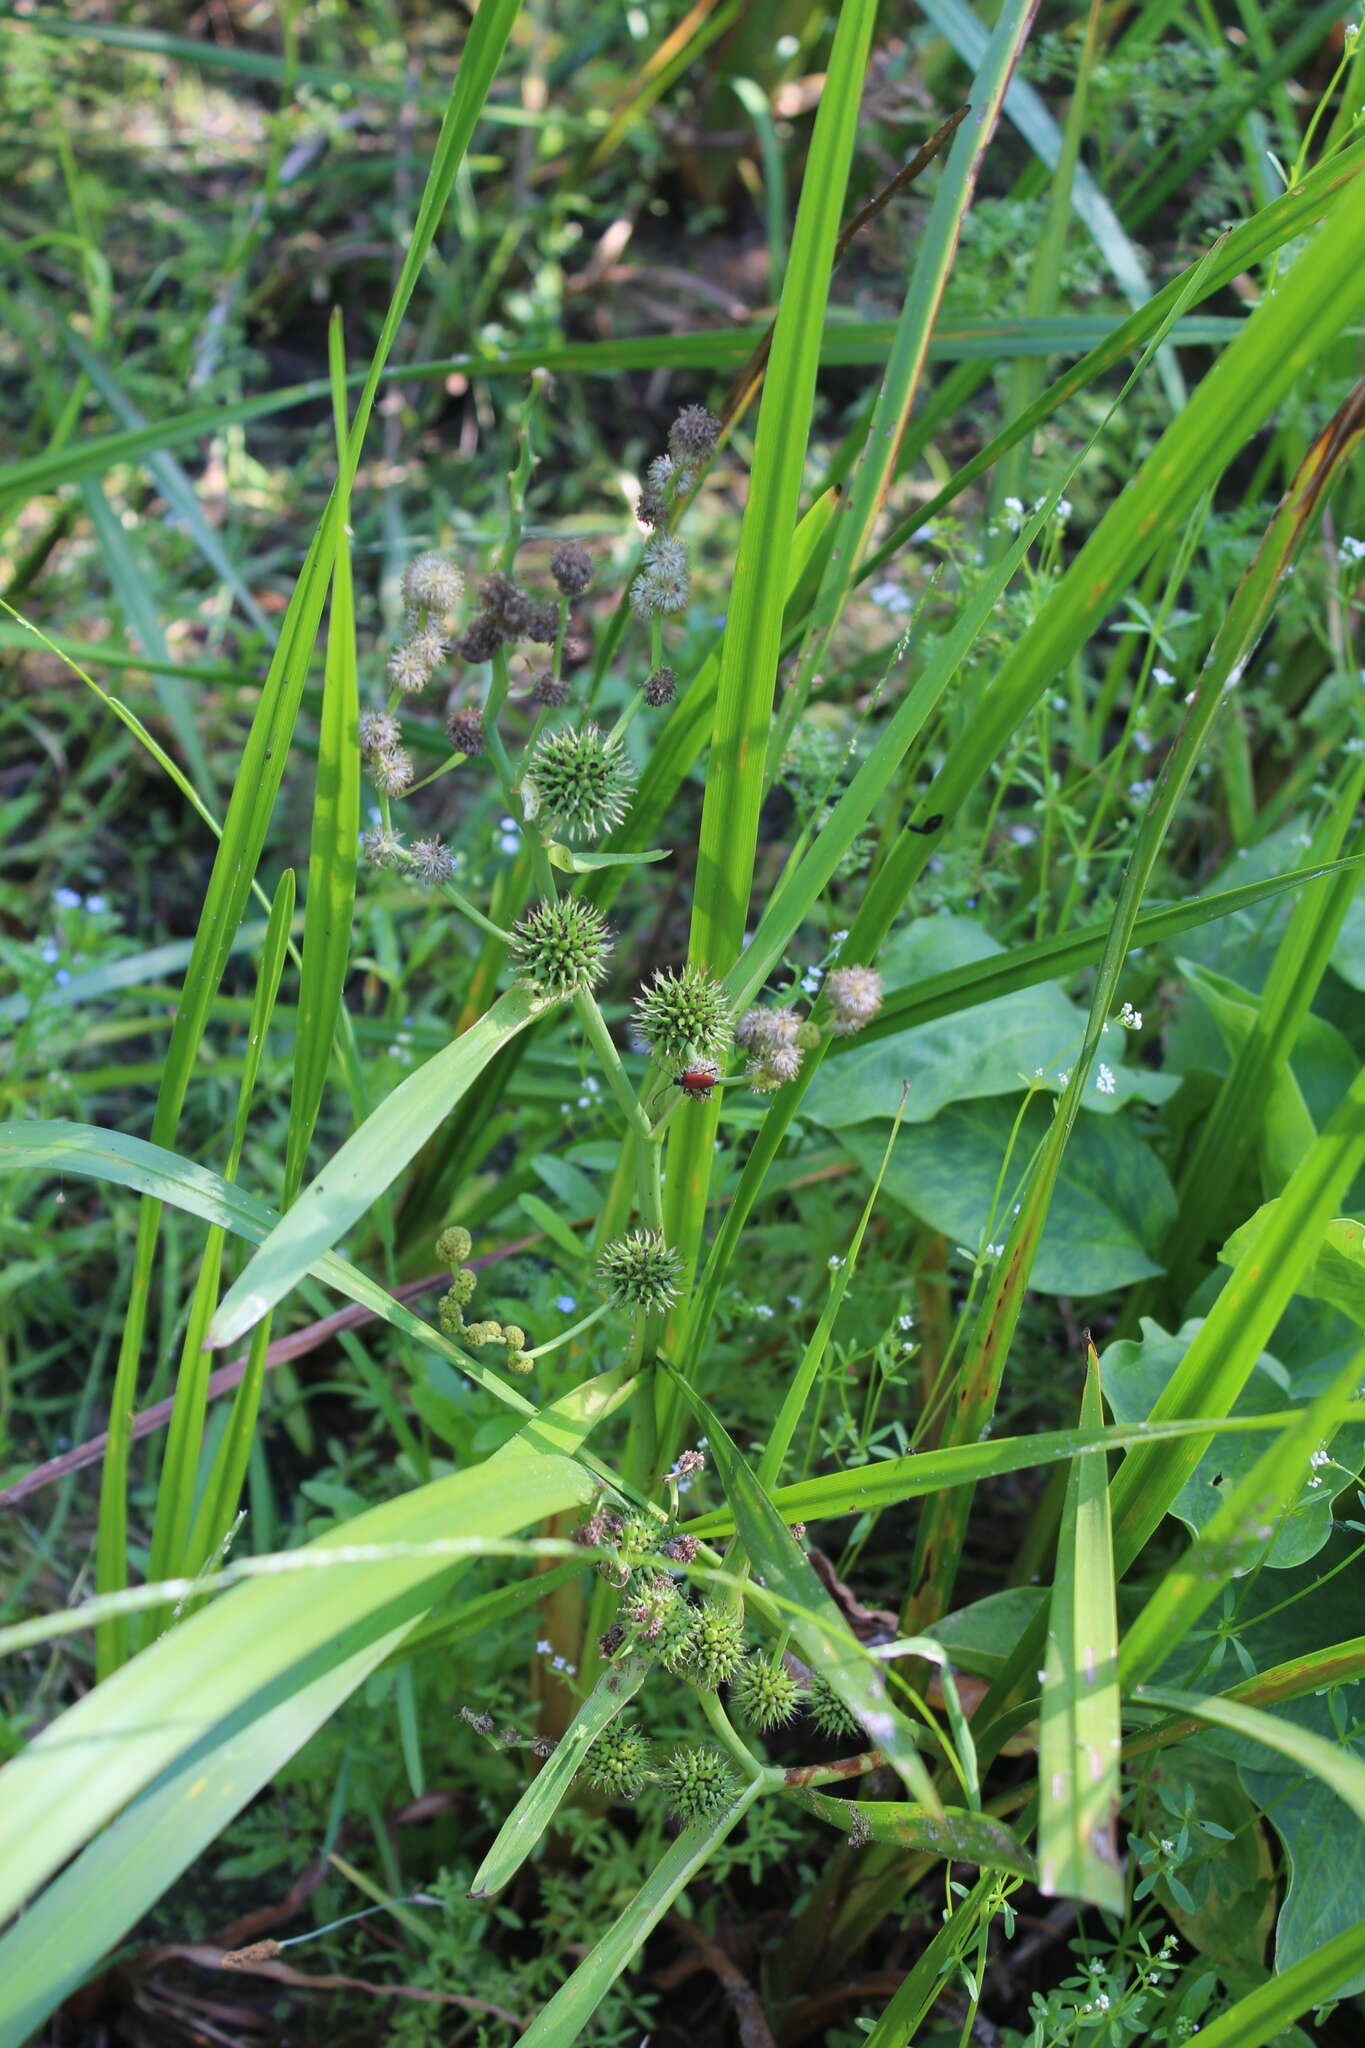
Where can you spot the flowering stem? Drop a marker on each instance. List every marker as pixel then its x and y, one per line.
pixel 575 1330
pixel 723 1729
pixel 467 909
pixel 520 476
pixel 600 1039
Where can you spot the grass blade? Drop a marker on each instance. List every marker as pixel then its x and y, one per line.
pixel 369 1161
pixel 538 1804
pixel 1078 1758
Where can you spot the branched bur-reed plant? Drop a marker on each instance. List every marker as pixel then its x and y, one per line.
pixel 837 1162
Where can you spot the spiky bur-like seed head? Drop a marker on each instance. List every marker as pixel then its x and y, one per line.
pixel 715 1646
pixel 571 567
pixel 480 639
pixel 651 507
pixel 641 1272
pixel 660 688
pixel 693 435
pixel 663 583
pixel 774 1068
pixel 410 667
pixel 392 771
pixel 697 1783
pixel 580 779
pixel 432 584
pixel 619 1762
pixel 384 849
pixel 683 1015
pixel 507 604
pixel 650 1604
pixel 759 1029
pixel 379 732
pixel 682 1549
pixel 550 691
pixel 561 947
pixel 464 730
pixel 638 1536
pixel 765 1694
pixel 542 625
pixel 432 861
pixel 828 1711
pixel 855 996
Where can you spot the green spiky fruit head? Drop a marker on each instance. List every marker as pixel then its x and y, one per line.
pixel 561 947
pixel 651 1604
pixel 715 1646
pixel 765 1694
pixel 697 1783
pixel 641 1271
pixel 640 1536
pixel 828 1711
pixel 619 1762
pixel 684 1016
pixel 673 1644
pixel 581 780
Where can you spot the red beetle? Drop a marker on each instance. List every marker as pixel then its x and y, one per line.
pixel 697 1082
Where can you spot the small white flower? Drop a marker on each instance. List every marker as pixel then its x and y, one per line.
pixel 1104 1080
pixel 1129 1018
pixel 1162 677
pixel 544 1647
pixel 1351 549
pixel 834 1262
pixel 891 597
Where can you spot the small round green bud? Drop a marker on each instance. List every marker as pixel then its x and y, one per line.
pixel 765 1694
pixel 479 1334
pixel 513 1337
pixel 697 1783
pixel 641 1271
pixel 855 996
pixel 560 947
pixel 431 583
pixel 618 1762
pixel 828 1711
pixel 581 780
pixel 684 1016
pixel 715 1646
pixel 454 1245
pixel 521 1363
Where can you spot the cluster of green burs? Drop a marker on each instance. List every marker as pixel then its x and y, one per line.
pixel 701 1642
